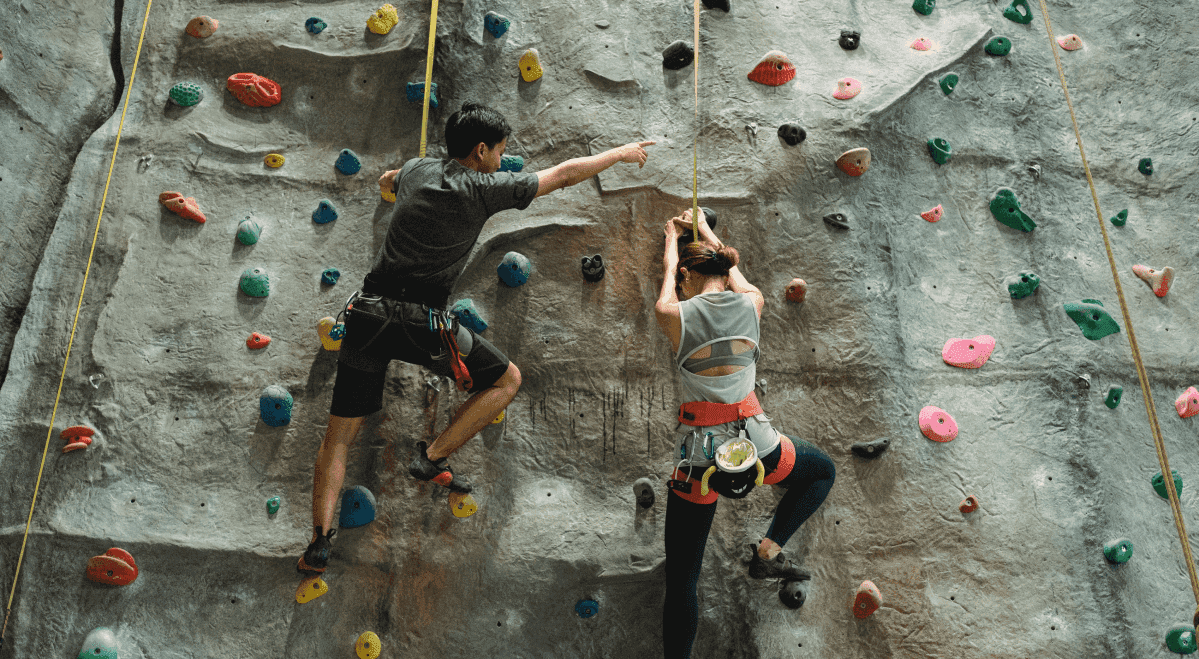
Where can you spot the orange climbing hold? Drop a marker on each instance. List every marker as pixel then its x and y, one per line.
pixel 969 504
pixel 854 162
pixel 1158 280
pixel 76 437
pixel 257 341
pixel 937 425
pixel 867 600
pixel 797 290
pixel 934 214
pixel 202 26
pixel 255 90
pixel 530 65
pixel 1188 403
pixel 968 353
pixel 114 567
pixel 773 70
pixel 185 207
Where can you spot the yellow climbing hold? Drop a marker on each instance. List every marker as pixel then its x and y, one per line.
pixel 368 645
pixel 383 20
pixel 500 418
pixel 462 505
pixel 324 328
pixel 310 589
pixel 530 65
pixel 274 160
pixel 388 196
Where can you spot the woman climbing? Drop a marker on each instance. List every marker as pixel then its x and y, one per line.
pixel 725 444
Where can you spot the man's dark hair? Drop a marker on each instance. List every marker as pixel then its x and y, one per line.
pixel 472 124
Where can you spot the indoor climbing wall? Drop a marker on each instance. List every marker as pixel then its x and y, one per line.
pixel 926 184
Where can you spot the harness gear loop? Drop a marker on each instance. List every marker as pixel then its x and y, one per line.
pixel 447 325
pixel 704 413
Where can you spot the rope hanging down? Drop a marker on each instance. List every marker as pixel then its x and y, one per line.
pixel 74 324
pixel 424 117
pixel 1150 408
pixel 695 144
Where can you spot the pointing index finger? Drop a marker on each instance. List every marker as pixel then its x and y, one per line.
pixel 647 143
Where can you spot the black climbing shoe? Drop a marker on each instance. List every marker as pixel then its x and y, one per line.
pixel 779 568
pixel 437 471
pixel 316 557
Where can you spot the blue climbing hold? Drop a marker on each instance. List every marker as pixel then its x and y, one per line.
pixel 357 508
pixel 330 276
pixel 514 269
pixel 469 315
pixel 416 94
pixel 512 163
pixel 325 212
pixel 348 162
pixel 315 25
pixel 101 643
pixel 275 406
pixel 496 24
pixel 587 608
pixel 337 332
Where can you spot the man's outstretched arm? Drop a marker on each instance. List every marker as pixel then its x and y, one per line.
pixel 577 170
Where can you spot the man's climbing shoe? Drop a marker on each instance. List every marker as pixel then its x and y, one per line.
pixel 437 471
pixel 779 568
pixel 316 557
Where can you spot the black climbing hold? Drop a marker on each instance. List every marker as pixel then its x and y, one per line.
pixel 709 215
pixel 1146 166
pixel 791 595
pixel 792 134
pixel 837 220
pixel 643 489
pixel 850 39
pixel 677 55
pixel 717 4
pixel 871 449
pixel 593 268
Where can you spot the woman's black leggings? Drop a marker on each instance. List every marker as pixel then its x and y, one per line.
pixel 687 526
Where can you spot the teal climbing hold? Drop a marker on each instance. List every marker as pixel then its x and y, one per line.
pixel 1159 484
pixel 512 163
pixel 315 25
pixel 1090 316
pixel 999 46
pixel 272 505
pixel 925 7
pixel 186 94
pixel 586 608
pixel 940 150
pixel 514 269
pixel 255 282
pixel 1114 394
pixel 248 231
pixel 100 643
pixel 1145 166
pixel 469 315
pixel 1012 12
pixel 275 406
pixel 325 212
pixel 1006 208
pixel 1121 218
pixel 496 24
pixel 357 508
pixel 949 82
pixel 330 276
pixel 1118 551
pixel 1022 285
pixel 1181 639
pixel 416 93
pixel 348 162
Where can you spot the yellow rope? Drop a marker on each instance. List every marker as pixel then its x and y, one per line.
pixel 1150 408
pixel 78 307
pixel 695 144
pixel 424 117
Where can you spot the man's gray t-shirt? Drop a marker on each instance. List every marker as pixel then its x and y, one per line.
pixel 440 210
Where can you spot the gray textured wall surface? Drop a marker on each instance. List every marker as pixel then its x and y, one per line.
pixel 182 465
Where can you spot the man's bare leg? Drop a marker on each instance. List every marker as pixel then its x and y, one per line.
pixel 330 470
pixel 474 415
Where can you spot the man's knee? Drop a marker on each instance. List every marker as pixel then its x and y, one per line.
pixel 510 380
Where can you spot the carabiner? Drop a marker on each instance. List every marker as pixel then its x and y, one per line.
pixel 709 447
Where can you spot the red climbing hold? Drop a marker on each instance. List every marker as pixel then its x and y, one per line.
pixel 257 341
pixel 202 26
pixel 185 207
pixel 969 504
pixel 1188 403
pixel 114 567
pixel 854 162
pixel 78 433
pixel 774 69
pixel 1158 280
pixel 937 425
pixel 934 214
pixel 867 600
pixel 255 90
pixel 968 353
pixel 797 290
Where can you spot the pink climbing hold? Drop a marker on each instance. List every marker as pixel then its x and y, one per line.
pixel 969 504
pixel 773 70
pixel 937 425
pixel 254 90
pixel 1188 403
pixel 1069 42
pixel 866 600
pixel 1158 280
pixel 933 214
pixel 187 207
pixel 797 290
pixel 847 88
pixel 968 353
pixel 922 44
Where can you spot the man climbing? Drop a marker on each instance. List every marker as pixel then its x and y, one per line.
pixel 440 209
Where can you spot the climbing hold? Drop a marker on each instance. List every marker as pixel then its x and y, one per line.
pixel 854 162
pixel 76 437
pixel 1013 12
pixel 255 282
pixel 357 508
pixel 998 46
pixel 1069 42
pixel 850 39
pixel 347 162
pixel 275 406
pixel 469 315
pixel 202 26
pixel 937 425
pixel 510 164
pixel 847 88
pixel 368 645
pixel 949 82
pixel 797 290
pixel 922 44
pixel 643 491
pixel 416 93
pixel 837 220
pixel 1118 551
pixel 1181 639
pixel 248 231
pixel 790 594
pixel 1006 208
pixel 1091 318
pixel 186 94
pixel 1120 218
pixel 1159 484
pixel 872 448
pixel 1113 396
pixel 586 608
pixel 500 418
pixel 315 25
pixel 187 208
pixel 257 341
pixel 530 65
pixel 331 333
pixel 925 7
pixel 329 276
pixel 1158 280
pixel 310 589
pixel 272 505
pixel 773 69
pixel 933 214
pixel 273 160
pixel 593 268
pixel 74 446
pixel 677 55
pixel 969 504
pixel 325 212
pixel 717 4
pixel 1022 285
pixel 1188 403
pixel 383 20
pixel 496 24
pixel 100 643
pixel 254 90
pixel 1145 166
pixel 463 505
pixel 940 150
pixel 114 567
pixel 867 600
pixel 514 269
pixel 792 134
pixel 968 353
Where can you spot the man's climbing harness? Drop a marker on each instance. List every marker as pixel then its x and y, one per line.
pixel 447 324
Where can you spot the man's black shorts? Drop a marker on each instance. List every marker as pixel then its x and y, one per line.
pixel 362 368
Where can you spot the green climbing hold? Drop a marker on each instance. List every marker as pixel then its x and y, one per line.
pixel 1090 316
pixel 1145 166
pixel 255 283
pixel 272 505
pixel 248 231
pixel 1159 484
pixel 1121 218
pixel 1006 208
pixel 1181 639
pixel 1012 12
pixel 949 82
pixel 925 7
pixel 1113 396
pixel 999 46
pixel 186 94
pixel 1022 285
pixel 1118 551
pixel 939 149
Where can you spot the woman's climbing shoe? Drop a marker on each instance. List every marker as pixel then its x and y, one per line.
pixel 779 568
pixel 316 557
pixel 437 471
